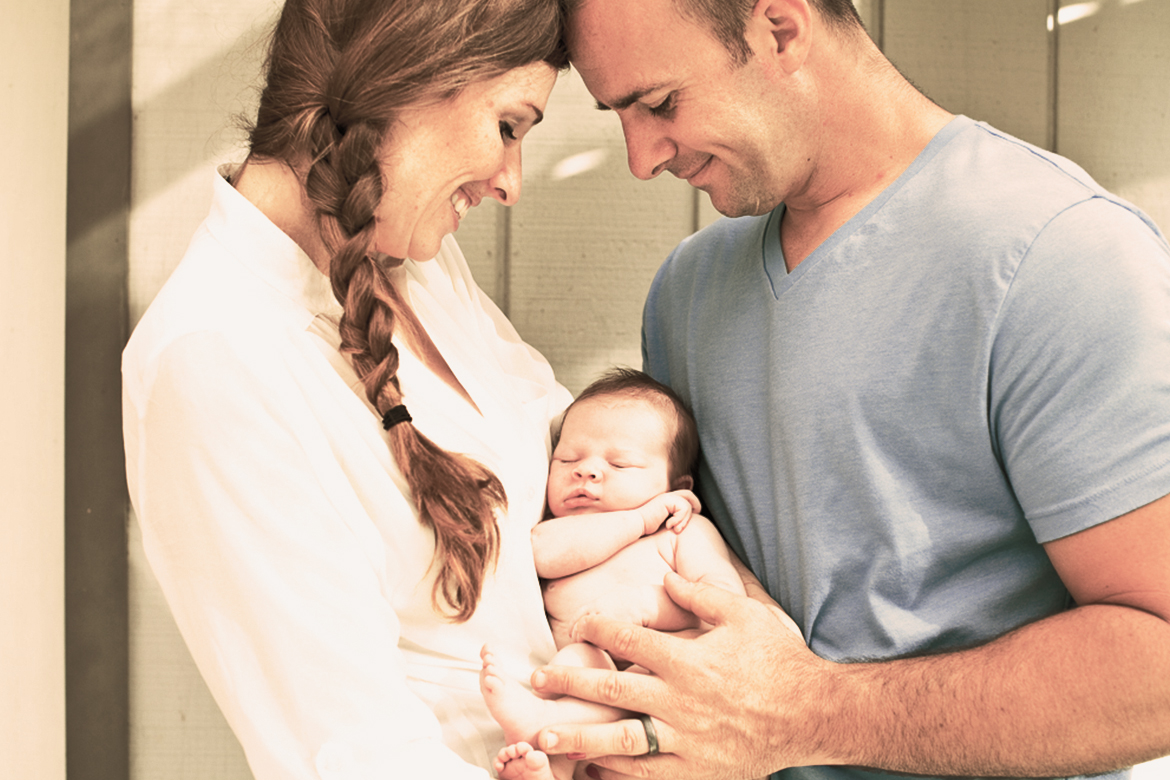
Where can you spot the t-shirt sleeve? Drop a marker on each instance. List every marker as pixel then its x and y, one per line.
pixel 1080 370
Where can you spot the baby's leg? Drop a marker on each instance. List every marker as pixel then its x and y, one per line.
pixel 522 762
pixel 522 713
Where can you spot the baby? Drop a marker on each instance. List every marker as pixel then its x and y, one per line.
pixel 621 517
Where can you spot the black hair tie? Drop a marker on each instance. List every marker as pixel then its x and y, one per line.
pixel 395 415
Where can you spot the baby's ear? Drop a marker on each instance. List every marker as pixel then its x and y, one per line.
pixel 684 483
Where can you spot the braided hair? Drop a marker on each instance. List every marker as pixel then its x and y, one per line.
pixel 338 71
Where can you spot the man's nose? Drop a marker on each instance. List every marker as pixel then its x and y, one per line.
pixel 648 149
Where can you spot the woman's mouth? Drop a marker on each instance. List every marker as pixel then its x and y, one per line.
pixel 461 203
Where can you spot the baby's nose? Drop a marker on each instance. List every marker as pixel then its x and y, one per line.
pixel 587 471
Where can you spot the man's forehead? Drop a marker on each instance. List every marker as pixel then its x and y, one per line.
pixel 625 49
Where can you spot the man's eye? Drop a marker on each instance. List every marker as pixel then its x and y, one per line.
pixel 665 108
pixel 507 131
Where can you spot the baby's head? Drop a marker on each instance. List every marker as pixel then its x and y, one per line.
pixel 626 439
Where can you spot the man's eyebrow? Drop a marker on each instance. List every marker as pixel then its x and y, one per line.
pixel 628 100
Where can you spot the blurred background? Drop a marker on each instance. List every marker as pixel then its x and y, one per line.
pixel 115 114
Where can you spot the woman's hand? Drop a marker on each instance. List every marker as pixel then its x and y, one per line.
pixel 739 701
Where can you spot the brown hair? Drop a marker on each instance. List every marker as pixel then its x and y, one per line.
pixel 337 73
pixel 727 19
pixel 621 381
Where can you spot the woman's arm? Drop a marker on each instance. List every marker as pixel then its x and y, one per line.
pixel 276 574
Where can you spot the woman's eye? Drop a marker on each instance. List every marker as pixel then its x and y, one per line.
pixel 507 131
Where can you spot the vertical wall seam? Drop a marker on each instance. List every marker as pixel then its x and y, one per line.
pixel 1053 75
pixel 504 263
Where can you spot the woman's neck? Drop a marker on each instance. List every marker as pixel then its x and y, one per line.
pixel 276 190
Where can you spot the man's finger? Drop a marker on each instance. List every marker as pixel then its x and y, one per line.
pixel 625 737
pixel 624 690
pixel 718 606
pixel 642 646
pixel 710 603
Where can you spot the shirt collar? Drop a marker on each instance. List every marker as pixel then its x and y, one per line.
pixel 266 250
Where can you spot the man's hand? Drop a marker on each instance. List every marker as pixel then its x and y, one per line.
pixel 719 702
pixel 674 508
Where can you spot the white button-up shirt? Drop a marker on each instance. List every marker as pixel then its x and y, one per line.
pixel 283 535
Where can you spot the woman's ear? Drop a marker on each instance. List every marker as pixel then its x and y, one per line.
pixel 781 31
pixel 684 483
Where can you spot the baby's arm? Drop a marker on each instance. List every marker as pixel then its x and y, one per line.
pixel 701 555
pixel 570 544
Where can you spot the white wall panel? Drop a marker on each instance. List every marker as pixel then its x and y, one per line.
pixel 195 69
pixel 988 60
pixel 1113 91
pixel 587 238
pixel 34 56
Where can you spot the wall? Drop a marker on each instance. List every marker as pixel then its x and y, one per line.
pixel 572 262
pixel 34 56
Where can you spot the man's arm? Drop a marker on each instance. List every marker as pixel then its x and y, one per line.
pixel 1087 690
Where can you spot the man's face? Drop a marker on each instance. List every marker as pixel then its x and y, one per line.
pixel 685 107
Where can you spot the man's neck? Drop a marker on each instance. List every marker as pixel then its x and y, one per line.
pixel 875 125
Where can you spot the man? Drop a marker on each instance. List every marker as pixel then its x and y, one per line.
pixel 931 372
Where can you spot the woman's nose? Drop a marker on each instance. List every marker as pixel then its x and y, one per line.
pixel 504 186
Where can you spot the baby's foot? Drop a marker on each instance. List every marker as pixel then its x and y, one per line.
pixel 519 711
pixel 523 762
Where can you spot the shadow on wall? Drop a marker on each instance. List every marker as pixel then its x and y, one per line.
pixel 167 105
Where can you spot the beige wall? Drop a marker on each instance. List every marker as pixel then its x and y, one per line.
pixel 34 49
pixel 572 262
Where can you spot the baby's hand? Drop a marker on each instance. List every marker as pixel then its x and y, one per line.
pixel 673 508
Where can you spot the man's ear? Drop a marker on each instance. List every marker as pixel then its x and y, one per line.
pixel 781 31
pixel 684 483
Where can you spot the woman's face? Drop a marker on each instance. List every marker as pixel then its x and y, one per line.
pixel 441 159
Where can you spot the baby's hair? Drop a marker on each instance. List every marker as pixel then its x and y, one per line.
pixel 630 383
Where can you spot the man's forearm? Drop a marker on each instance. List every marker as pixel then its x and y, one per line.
pixel 1081 692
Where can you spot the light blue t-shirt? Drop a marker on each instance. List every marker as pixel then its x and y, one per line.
pixel 976 363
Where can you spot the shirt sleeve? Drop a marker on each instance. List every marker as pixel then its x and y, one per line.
pixel 1080 382
pixel 278 581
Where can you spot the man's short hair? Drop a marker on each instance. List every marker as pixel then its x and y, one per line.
pixel 727 19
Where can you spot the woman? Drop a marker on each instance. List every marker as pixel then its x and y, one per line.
pixel 336 445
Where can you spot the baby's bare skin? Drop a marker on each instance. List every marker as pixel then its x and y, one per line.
pixel 622 588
